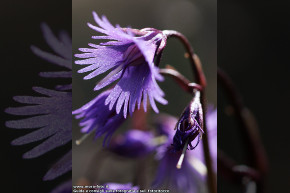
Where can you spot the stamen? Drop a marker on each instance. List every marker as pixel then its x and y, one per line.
pixel 180 161
pixel 80 140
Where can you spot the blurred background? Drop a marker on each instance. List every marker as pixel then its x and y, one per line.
pixel 253 48
pixel 20 28
pixel 197 20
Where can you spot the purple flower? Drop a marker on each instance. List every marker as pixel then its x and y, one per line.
pixel 50 113
pixel 191 177
pixel 134 143
pixel 184 180
pixel 211 123
pixel 189 126
pixel 97 117
pixel 130 60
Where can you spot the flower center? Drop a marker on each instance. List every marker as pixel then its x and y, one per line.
pixel 133 56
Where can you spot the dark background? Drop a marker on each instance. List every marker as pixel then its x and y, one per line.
pixel 20 28
pixel 253 48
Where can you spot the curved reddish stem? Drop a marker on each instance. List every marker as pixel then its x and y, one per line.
pixel 201 80
pixel 183 82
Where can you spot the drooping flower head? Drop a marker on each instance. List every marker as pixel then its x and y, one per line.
pixel 190 178
pixel 184 180
pixel 134 143
pixel 130 59
pixel 97 117
pixel 189 126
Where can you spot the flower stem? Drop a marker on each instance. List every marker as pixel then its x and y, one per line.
pixel 196 65
pixel 183 82
pixel 211 176
pixel 139 120
pixel 201 80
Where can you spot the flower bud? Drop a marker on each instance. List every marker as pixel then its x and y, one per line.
pixel 190 125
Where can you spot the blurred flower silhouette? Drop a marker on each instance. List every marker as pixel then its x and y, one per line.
pixel 130 59
pixel 134 143
pixel 62 46
pixel 50 115
pixel 51 112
